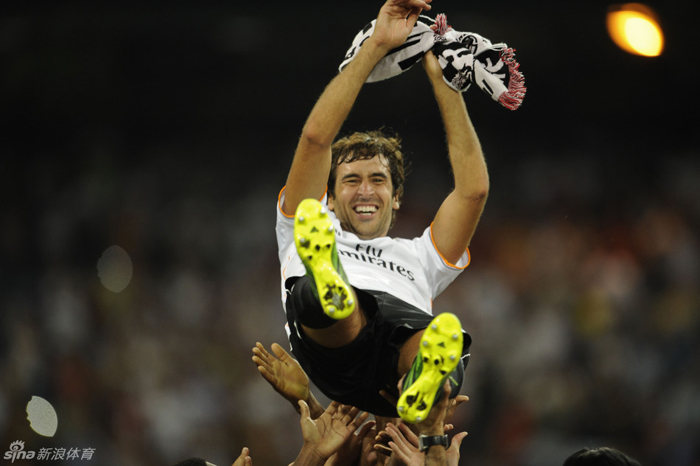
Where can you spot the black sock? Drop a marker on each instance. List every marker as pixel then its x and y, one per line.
pixel 456 378
pixel 308 309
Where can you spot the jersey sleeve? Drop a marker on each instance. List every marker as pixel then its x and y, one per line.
pixel 284 228
pixel 290 264
pixel 439 271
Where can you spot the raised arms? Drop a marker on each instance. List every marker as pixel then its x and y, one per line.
pixel 459 213
pixel 308 175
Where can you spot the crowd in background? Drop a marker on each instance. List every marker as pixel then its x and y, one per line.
pixel 169 132
pixel 584 315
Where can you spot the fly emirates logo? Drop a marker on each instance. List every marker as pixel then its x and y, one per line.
pixel 372 255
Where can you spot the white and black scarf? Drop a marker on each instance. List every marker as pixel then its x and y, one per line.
pixel 465 58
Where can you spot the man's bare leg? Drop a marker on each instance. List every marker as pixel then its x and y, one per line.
pixel 340 333
pixel 408 353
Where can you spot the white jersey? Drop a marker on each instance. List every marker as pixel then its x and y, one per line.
pixel 411 270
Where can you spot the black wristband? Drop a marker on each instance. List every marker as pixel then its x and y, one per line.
pixel 427 441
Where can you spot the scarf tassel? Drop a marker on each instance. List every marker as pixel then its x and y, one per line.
pixel 513 97
pixel 441 27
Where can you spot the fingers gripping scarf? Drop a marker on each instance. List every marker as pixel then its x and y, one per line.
pixel 465 58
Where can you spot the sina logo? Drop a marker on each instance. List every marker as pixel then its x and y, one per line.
pixel 17 452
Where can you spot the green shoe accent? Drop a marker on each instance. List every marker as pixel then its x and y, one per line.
pixel 314 237
pixel 438 355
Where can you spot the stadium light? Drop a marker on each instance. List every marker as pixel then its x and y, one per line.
pixel 635 29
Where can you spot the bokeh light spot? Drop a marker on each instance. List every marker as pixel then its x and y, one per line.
pixel 634 28
pixel 42 417
pixel 115 269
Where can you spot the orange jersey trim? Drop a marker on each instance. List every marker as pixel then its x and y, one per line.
pixel 469 257
pixel 279 201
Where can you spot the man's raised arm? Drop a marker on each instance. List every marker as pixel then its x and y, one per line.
pixel 308 175
pixel 459 213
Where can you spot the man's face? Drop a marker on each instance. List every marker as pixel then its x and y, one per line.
pixel 363 199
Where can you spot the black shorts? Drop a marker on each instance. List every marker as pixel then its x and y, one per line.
pixel 354 373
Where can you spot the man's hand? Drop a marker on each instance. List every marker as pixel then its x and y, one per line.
pixel 404 446
pixel 452 407
pixel 283 372
pixel 369 456
pixel 350 451
pixel 396 20
pixel 452 453
pixel 382 438
pixel 325 435
pixel 243 459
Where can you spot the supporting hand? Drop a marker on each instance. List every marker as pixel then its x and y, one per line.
pixel 244 459
pixel 286 376
pixel 324 436
pixel 350 452
pixel 452 453
pixel 404 446
pixel 453 405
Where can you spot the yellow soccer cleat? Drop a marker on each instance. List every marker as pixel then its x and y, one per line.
pixel 314 237
pixel 439 354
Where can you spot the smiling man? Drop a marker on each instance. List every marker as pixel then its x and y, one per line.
pixel 358 302
pixel 363 196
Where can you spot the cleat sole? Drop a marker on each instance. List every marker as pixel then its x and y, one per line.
pixel 438 355
pixel 314 236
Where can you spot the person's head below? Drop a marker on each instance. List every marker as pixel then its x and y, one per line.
pixel 365 185
pixel 603 456
pixel 193 462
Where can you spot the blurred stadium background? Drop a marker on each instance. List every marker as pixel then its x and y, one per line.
pixel 167 130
